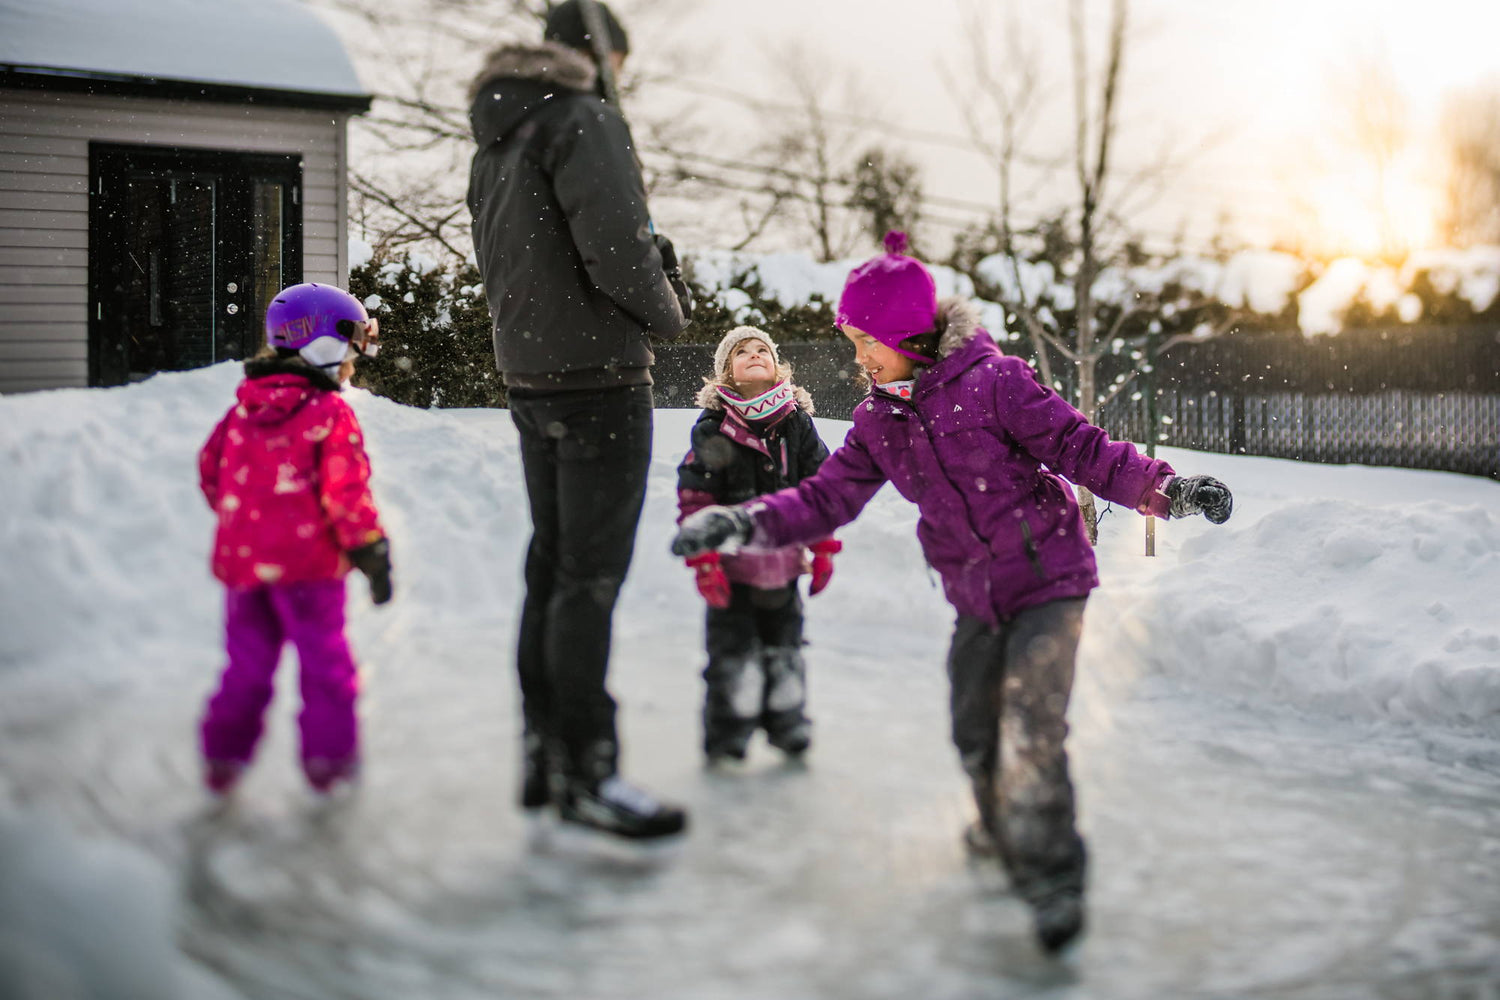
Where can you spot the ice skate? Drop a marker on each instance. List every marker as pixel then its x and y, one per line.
pixel 1059 919
pixel 222 777
pixel 331 778
pixel 615 806
pixel 793 740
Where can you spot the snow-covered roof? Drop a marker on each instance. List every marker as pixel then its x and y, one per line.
pixel 277 45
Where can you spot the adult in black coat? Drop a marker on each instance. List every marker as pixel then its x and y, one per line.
pixel 577 284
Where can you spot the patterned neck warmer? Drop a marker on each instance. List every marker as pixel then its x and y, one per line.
pixel 901 390
pixel 771 405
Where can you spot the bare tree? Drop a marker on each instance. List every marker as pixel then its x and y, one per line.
pixel 411 152
pixel 1470 147
pixel 886 192
pixel 1000 124
pixel 1089 234
pixel 810 146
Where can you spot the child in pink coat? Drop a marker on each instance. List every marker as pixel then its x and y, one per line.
pixel 285 470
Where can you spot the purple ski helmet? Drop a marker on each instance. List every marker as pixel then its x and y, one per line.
pixel 301 314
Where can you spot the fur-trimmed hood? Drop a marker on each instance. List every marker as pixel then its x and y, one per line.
pixel 550 63
pixel 709 399
pixel 518 80
pixel 958 318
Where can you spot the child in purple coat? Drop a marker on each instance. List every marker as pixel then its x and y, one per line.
pixel 980 446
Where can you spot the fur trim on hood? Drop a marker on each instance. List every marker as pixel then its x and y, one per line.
pixel 544 62
pixel 958 318
pixel 264 367
pixel 709 399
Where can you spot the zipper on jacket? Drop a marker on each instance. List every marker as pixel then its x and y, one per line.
pixel 1031 553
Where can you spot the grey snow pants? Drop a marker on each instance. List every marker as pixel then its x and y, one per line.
pixel 1009 699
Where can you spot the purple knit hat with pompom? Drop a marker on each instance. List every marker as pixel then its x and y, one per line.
pixel 890 297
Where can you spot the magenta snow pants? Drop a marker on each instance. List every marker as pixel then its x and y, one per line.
pixel 258 621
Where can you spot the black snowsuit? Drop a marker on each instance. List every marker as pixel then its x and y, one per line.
pixel 575 286
pixel 756 676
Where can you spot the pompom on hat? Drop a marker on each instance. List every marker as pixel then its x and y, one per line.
pixel 890 297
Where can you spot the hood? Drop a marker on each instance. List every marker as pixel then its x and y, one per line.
pixel 709 399
pixel 517 79
pixel 275 388
pixel 958 318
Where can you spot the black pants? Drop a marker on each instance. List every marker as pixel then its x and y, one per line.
pixel 755 673
pixel 585 456
pixel 1010 690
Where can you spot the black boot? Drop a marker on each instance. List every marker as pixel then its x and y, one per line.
pixel 594 795
pixel 1059 918
pixel 790 733
pixel 536 791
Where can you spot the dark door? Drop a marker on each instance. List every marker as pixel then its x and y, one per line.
pixel 186 248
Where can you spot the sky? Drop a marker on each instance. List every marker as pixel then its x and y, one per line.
pixel 1283 737
pixel 1241 91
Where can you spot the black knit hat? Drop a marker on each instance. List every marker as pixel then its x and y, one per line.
pixel 565 25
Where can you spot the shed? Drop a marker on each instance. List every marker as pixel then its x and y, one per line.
pixel 165 167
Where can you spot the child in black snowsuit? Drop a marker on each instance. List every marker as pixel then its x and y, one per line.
pixel 755 436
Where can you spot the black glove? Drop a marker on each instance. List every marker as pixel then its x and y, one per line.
pixel 1200 495
pixel 711 528
pixel 670 265
pixel 374 561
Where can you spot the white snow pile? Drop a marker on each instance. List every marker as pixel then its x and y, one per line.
pixel 794 279
pixel 81 918
pixel 1360 591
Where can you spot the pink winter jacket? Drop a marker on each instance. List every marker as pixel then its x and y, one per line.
pixel 286 472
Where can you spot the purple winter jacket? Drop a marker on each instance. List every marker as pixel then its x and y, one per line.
pixel 969 449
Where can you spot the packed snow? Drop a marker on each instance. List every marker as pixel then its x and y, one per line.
pixel 1286 743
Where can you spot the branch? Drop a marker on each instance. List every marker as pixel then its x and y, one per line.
pixel 368 189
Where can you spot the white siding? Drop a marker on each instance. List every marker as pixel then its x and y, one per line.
pixel 44 168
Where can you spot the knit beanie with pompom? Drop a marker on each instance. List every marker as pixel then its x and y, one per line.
pixel 890 297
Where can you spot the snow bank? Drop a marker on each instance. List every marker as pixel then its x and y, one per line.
pixel 1353 607
pixel 1363 592
pixel 795 279
pixel 82 918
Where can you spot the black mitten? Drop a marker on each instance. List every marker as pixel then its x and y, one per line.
pixel 374 561
pixel 711 528
pixel 1200 495
pixel 670 265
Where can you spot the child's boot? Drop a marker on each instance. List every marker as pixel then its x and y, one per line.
pixel 327 775
pixel 726 741
pixel 1058 917
pixel 221 776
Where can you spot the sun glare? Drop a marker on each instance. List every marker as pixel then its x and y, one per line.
pixel 1363 214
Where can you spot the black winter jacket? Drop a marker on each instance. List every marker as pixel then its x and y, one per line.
pixel 561 229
